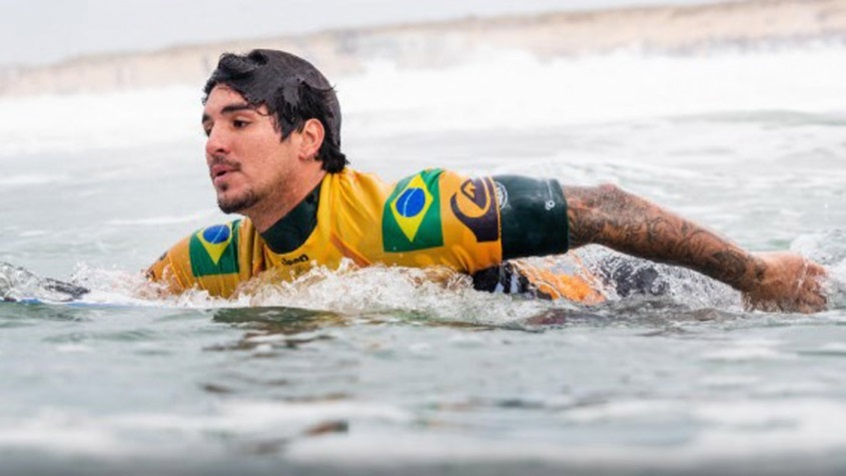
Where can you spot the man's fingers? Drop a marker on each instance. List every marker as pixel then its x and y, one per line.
pixel 816 296
pixel 809 297
pixel 815 270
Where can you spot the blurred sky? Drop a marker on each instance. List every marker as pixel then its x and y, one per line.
pixel 45 31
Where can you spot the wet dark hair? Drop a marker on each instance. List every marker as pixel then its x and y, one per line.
pixel 293 90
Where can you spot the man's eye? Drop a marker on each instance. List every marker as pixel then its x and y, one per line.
pixel 207 131
pixel 239 124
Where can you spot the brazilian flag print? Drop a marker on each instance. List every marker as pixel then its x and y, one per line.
pixel 214 250
pixel 411 219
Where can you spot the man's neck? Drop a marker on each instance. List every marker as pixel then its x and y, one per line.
pixel 268 212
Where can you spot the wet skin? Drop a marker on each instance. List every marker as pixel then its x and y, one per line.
pixel 611 217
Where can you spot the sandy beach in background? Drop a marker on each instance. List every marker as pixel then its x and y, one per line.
pixel 689 29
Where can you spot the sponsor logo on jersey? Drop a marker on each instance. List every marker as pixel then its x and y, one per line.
pixel 475 205
pixel 303 258
pixel 411 219
pixel 213 250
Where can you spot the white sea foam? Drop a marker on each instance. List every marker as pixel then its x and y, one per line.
pixel 376 290
pixel 623 410
pixel 492 90
pixel 743 353
pixel 84 122
pixel 165 220
pixel 360 450
pixel 514 90
pixel 74 433
pixel 62 433
pixel 803 426
pixel 373 291
pixel 828 248
pixel 733 431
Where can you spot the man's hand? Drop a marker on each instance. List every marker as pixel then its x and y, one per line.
pixel 786 282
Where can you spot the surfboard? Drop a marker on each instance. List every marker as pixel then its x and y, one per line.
pixel 18 284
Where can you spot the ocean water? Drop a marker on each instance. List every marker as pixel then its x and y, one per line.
pixel 370 371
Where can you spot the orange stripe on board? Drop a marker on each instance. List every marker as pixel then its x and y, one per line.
pixel 557 286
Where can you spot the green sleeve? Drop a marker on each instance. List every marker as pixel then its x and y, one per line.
pixel 534 216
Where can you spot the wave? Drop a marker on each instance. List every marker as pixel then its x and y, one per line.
pixel 504 90
pixel 680 30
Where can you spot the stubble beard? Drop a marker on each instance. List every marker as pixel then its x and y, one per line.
pixel 236 204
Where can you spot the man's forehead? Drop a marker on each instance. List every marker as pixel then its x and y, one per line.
pixel 223 98
pixel 225 91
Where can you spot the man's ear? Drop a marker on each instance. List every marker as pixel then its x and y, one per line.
pixel 311 139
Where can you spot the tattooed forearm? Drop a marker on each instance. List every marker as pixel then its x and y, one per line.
pixel 608 216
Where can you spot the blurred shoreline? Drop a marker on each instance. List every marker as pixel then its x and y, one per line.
pixel 678 30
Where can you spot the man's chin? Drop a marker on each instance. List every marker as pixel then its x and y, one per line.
pixel 236 204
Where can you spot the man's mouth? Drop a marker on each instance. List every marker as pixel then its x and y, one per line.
pixel 220 171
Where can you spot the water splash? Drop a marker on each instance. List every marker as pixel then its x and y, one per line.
pixel 432 294
pixel 17 284
pixel 829 249
pixel 634 289
pixel 628 277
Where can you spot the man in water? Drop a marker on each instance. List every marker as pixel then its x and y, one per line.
pixel 273 151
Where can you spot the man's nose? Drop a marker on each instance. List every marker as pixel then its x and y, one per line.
pixel 217 142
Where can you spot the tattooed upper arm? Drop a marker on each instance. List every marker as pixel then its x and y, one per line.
pixel 609 216
pixel 591 213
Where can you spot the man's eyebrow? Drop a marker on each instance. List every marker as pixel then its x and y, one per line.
pixel 230 108
pixel 237 107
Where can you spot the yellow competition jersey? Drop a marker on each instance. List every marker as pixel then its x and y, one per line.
pixel 432 218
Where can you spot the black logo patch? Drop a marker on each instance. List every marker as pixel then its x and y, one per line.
pixel 475 206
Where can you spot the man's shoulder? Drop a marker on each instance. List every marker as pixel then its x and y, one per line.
pixel 352 176
pixel 212 240
pixel 350 184
pixel 216 235
pixel 349 176
pixel 203 256
pixel 352 187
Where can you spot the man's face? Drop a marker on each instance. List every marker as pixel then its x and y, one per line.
pixel 248 162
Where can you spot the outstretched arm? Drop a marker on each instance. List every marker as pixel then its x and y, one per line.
pixel 609 216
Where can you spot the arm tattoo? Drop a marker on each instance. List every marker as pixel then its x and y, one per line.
pixel 608 216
